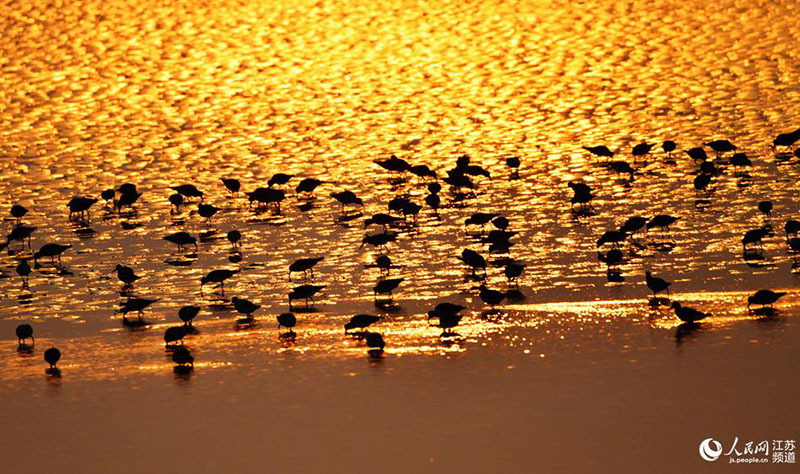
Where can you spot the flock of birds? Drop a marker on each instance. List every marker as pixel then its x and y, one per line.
pixel 401 211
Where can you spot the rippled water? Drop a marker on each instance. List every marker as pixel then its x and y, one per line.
pixel 96 94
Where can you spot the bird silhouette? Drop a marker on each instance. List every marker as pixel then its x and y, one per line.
pixel 52 251
pixel 656 284
pixel 304 265
pixel 394 164
pixel 207 211
pixel 126 274
pixel 697 154
pixel 582 194
pixel 244 306
pixel 218 276
pixel 174 335
pixel 232 185
pixel 18 212
pixel 379 240
pixel 473 260
pixel 786 139
pixel 360 321
pixel 669 146
pixel 52 356
pixel 135 304
pixel 305 293
pixel 234 237
pixel 80 206
pixel 183 357
pixel 688 315
pixel 279 179
pixel 287 320
pixel 491 297
pixel 642 149
pixel 386 287
pixel 188 191
pixel 181 239
pixel 24 332
pixel 307 186
pixel 601 151
pixel 188 313
pixel 764 298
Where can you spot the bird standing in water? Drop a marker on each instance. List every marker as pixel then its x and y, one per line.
pixel 25 331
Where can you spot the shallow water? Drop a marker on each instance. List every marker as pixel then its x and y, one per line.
pixel 581 373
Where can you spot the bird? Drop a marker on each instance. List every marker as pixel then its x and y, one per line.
pixel 126 274
pixel 633 225
pixel 662 221
pixel 688 315
pixel 264 197
pixel 423 171
pixel 18 212
pixel 80 205
pixel 701 181
pixel 244 306
pixel 473 260
pixel 382 219
pixel 52 251
pixel 181 239
pixel 188 313
pixel 232 185
pixel 764 298
pixel 394 164
pixel 175 201
pixel 218 276
pixel 25 331
pixel 669 146
pixel 642 149
pixel 21 233
pixel 234 237
pixel 304 265
pixel 582 194
pixel 786 139
pixel 307 185
pixel 754 236
pixel 304 292
pixel 490 297
pixel 207 211
pixel 457 179
pixel 173 335
pixel 23 269
pixel 188 191
pixel 792 227
pixel 348 198
pixel 447 321
pixel 384 263
pixel 513 163
pixel 513 270
pixel 601 151
pixel 721 146
pixel 501 222
pixel 697 154
pixel 280 179
pixel 375 342
pixel 183 357
pixel 612 258
pixel 287 320
pixel 386 287
pixel 108 195
pixel 361 321
pixel 52 356
pixel 135 304
pixel 379 240
pixel 480 218
pixel 127 198
pixel 766 208
pixel 656 284
pixel 740 160
pixel 613 237
pixel 622 167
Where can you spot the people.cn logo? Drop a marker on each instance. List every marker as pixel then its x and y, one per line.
pixel 710 449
